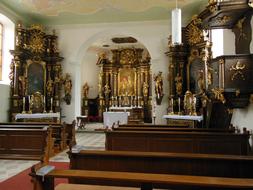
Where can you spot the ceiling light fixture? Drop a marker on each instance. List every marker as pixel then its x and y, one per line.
pixel 176 26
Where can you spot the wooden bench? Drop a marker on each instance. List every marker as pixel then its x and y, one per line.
pixel 28 144
pixel 68 186
pixel 164 163
pixel 62 133
pixel 143 180
pixel 168 128
pixel 152 125
pixel 178 141
pixel 70 133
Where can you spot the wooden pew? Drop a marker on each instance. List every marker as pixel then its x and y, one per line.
pixel 164 163
pixel 168 128
pixel 70 133
pixel 145 181
pixel 62 133
pixel 178 141
pixel 181 125
pixel 26 144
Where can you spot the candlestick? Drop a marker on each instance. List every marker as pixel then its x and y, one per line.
pixel 179 106
pixel 23 105
pixel 51 106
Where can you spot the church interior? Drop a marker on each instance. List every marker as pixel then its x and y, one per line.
pixel 151 94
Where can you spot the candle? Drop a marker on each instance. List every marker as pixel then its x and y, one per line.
pixel 51 101
pixel 23 100
pixel 179 102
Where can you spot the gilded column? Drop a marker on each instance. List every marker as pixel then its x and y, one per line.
pixel 16 74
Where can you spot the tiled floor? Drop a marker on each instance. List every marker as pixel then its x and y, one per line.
pixel 87 138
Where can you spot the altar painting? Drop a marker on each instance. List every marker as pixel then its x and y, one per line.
pixel 126 82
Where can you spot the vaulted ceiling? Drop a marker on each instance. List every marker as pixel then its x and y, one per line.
pixel 97 11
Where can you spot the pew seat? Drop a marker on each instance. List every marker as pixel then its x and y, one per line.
pixel 146 181
pixel 67 186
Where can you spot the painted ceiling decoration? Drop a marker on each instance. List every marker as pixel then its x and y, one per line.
pixel 56 10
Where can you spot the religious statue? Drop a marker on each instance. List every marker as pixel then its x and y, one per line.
pixel 145 89
pixel 50 87
pixel 22 85
pixel 85 90
pixel 67 88
pixel 188 103
pixel 102 59
pixel 200 81
pixel 107 90
pixel 100 82
pixel 179 84
pixel 159 87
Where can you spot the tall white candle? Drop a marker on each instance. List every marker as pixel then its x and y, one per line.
pixel 23 100
pixel 52 101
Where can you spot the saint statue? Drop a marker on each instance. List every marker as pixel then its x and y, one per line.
pixel 179 84
pixel 67 89
pixel 145 89
pixel 107 90
pixel 22 85
pixel 85 90
pixel 67 84
pixel 158 84
pixel 50 87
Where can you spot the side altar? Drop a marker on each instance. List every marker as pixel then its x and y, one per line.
pixel 36 75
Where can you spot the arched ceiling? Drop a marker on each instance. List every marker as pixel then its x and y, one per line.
pixel 95 11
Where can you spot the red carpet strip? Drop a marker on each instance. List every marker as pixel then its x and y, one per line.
pixel 22 181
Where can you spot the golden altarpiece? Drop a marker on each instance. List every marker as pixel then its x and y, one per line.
pixel 125 84
pixel 35 72
pixel 201 85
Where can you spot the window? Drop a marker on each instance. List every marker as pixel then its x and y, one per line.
pixel 1 51
pixel 7 33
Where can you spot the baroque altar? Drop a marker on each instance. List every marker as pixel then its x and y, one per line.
pixel 125 81
pixel 36 74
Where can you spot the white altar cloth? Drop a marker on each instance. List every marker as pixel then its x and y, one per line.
pixel 37 115
pixel 198 118
pixel 111 118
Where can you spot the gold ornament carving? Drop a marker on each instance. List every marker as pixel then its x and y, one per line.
pixel 238 68
pixel 239 26
pixel 224 19
pixel 218 94
pixel 37 42
pixel 127 56
pixel 194 34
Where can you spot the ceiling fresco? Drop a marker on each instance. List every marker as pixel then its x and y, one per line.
pixel 88 11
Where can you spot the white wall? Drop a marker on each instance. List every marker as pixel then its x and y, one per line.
pixel 244 117
pixel 4 102
pixel 75 40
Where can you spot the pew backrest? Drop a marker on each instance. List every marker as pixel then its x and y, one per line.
pixel 178 141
